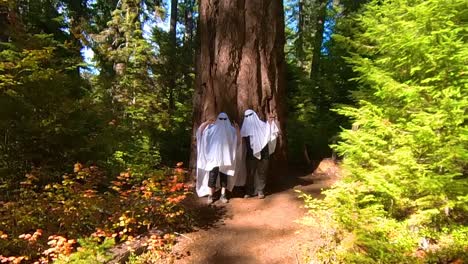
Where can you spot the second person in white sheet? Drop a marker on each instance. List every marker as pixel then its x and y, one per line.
pixel 217 143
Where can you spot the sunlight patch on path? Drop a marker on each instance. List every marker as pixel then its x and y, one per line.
pixel 251 231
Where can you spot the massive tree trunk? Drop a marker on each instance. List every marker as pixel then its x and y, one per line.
pixel 240 64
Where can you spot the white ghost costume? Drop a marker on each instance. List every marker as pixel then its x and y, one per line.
pixel 216 147
pixel 260 133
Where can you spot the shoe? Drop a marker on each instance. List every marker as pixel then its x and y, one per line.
pixel 247 195
pixel 261 195
pixel 210 199
pixel 223 199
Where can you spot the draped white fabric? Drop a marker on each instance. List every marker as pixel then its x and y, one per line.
pixel 273 131
pixel 216 147
pixel 260 133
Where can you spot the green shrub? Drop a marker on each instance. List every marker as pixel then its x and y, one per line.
pixel 404 193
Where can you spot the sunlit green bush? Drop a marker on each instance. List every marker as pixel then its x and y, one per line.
pixel 403 197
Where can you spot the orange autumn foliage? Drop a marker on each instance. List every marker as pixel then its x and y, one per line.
pixel 79 206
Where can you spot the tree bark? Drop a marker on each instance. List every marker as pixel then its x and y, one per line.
pixel 300 34
pixel 173 43
pixel 5 22
pixel 189 50
pixel 320 23
pixel 241 64
pixel 188 16
pixel 173 24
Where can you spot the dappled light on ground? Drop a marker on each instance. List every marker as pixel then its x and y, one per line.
pixel 252 230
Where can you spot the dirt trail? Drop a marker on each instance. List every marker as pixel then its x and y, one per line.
pixel 250 230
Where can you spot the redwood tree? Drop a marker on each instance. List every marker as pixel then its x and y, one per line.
pixel 240 62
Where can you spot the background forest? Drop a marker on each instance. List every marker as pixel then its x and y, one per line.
pixel 96 112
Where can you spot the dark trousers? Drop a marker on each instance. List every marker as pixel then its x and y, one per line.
pixel 213 176
pixel 256 175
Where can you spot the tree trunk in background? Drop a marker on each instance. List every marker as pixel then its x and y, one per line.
pixel 241 64
pixel 5 22
pixel 188 17
pixel 173 43
pixel 173 24
pixel 189 48
pixel 300 35
pixel 320 23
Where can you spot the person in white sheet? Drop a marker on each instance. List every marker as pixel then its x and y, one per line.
pixel 260 141
pixel 216 155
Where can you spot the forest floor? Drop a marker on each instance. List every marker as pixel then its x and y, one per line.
pixel 252 230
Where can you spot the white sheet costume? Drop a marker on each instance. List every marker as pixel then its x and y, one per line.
pixel 216 147
pixel 260 133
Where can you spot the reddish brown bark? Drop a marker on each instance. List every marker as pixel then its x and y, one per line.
pixel 240 64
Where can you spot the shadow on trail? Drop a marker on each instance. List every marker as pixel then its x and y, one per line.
pixel 313 180
pixel 201 215
pixel 286 181
pixel 283 181
pixel 260 231
pixel 245 242
pixel 224 258
pixel 221 249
